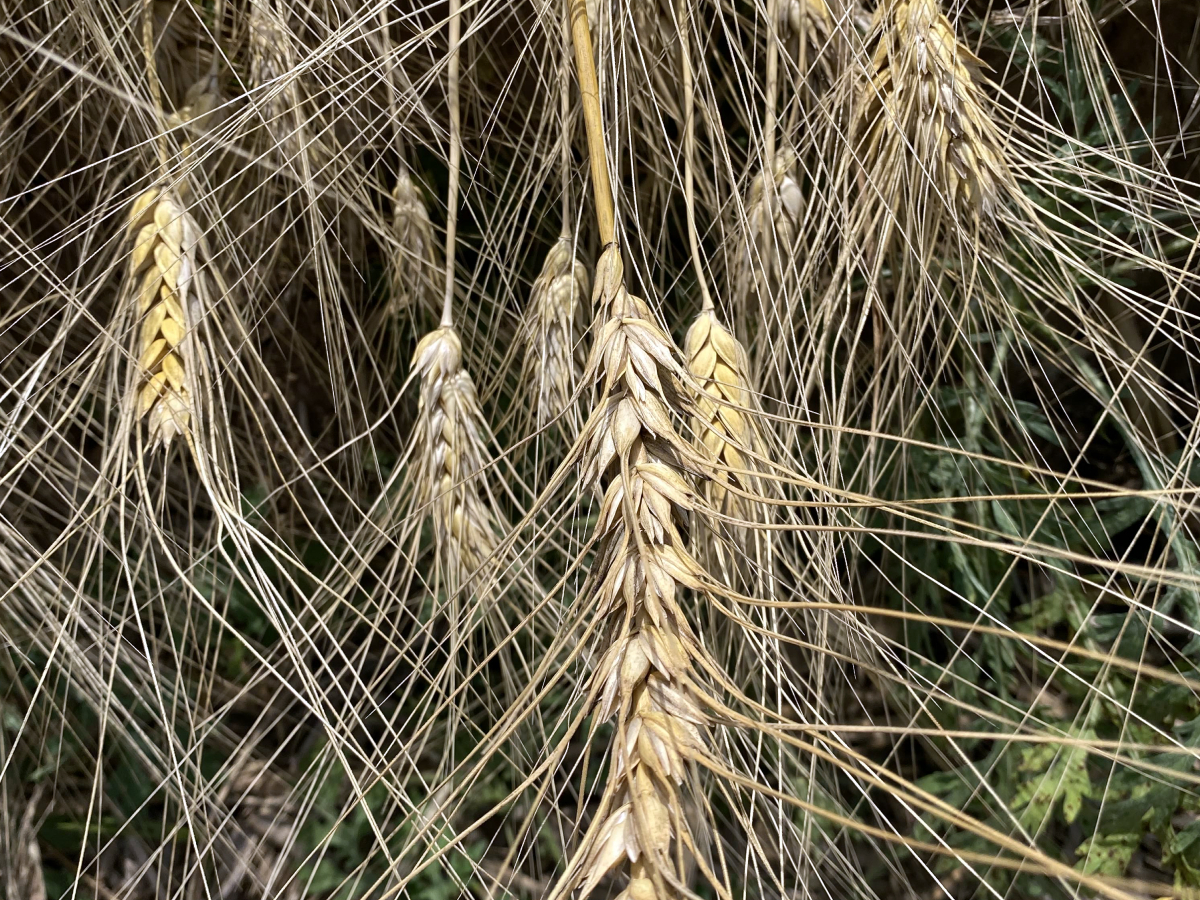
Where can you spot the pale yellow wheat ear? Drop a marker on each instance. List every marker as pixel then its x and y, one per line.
pixel 723 422
pixel 413 261
pixel 452 454
pixel 551 331
pixel 644 678
pixel 162 271
pixel 923 130
pixel 163 285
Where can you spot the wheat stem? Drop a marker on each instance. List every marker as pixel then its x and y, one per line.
pixel 689 152
pixel 455 159
pixel 564 149
pixel 589 89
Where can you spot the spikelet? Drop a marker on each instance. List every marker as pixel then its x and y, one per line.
pixel 717 362
pixel 551 332
pixel 162 272
pixel 270 52
pixel 413 261
pixel 922 115
pixel 644 677
pixel 450 433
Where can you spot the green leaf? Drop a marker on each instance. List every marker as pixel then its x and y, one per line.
pixel 1107 854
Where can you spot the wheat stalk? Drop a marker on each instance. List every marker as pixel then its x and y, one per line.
pixel 922 114
pixel 453 455
pixel 551 332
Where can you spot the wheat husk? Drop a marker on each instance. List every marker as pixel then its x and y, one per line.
pixel 162 271
pixel 723 425
pixel 270 68
pixel 811 22
pixel 551 331
pixel 773 220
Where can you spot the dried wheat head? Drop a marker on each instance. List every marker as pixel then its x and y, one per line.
pixel 642 564
pixel 810 21
pixel 922 115
pixel 722 424
pixel 162 274
pixel 551 331
pixel 772 221
pixel 271 60
pixel 413 260
pixel 452 450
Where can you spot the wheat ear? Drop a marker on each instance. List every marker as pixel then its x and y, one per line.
pixel 270 67
pixel 923 114
pixel 162 266
pixel 551 330
pixel 412 260
pixel 773 218
pixel 644 677
pixel 717 363
pixel 451 445
pixel 810 23
pixel 163 278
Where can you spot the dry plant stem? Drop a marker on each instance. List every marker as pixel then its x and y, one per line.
pixel 564 148
pixel 689 151
pixel 455 158
pixel 589 90
pixel 772 89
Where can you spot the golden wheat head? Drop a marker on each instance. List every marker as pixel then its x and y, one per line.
pixel 644 677
pixel 162 271
pixel 413 261
pixel 722 424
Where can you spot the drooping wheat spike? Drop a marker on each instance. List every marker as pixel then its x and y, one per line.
pixel 642 564
pixel 772 219
pixel 452 450
pixel 717 362
pixel 270 64
pixel 551 330
pixel 413 260
pixel 922 115
pixel 196 113
pixel 162 270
